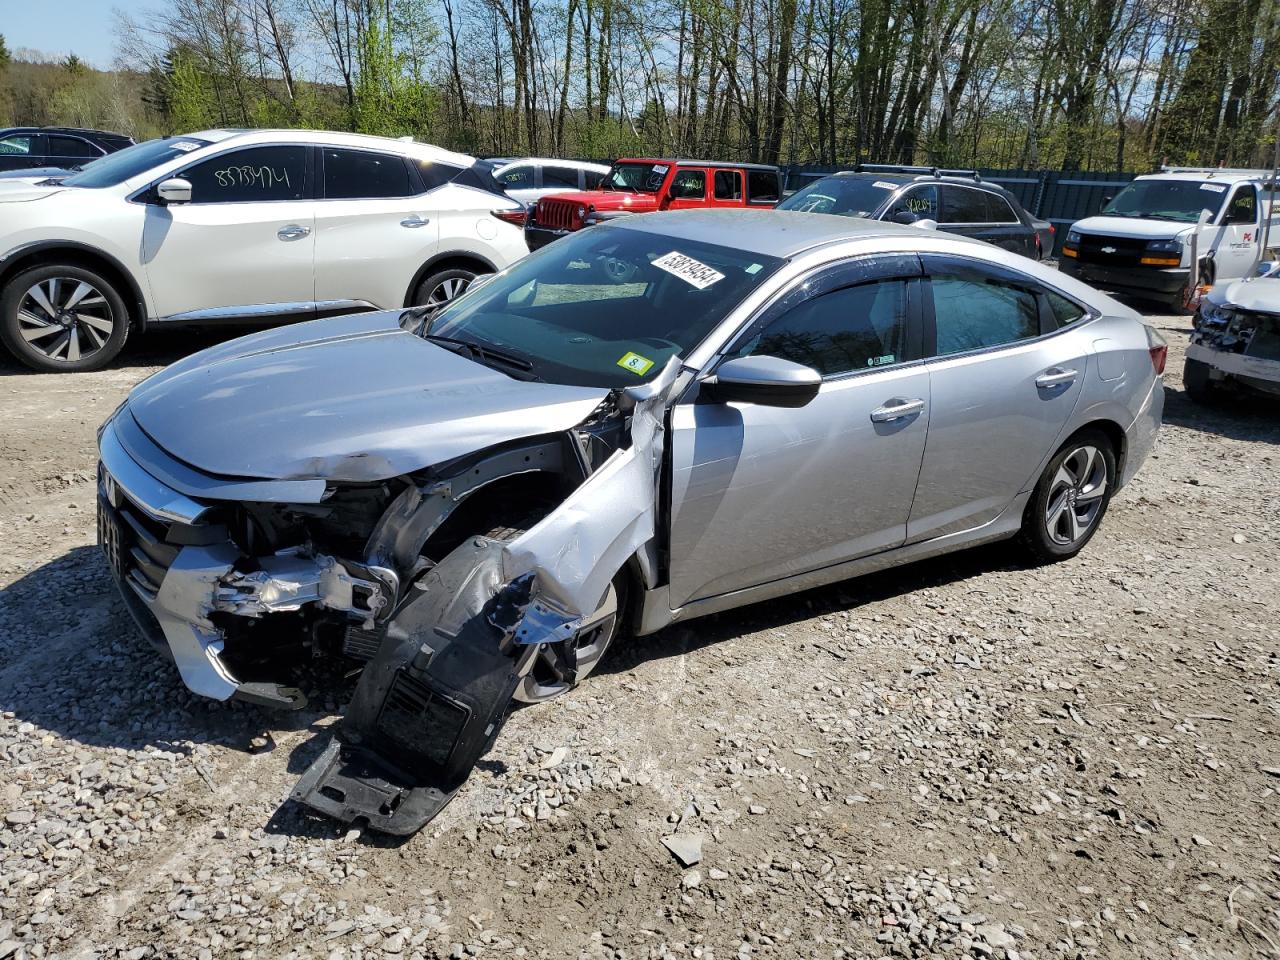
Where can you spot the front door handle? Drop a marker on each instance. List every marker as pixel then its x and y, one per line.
pixel 293 231
pixel 896 409
pixel 1056 377
pixel 414 221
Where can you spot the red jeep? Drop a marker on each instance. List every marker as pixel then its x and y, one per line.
pixel 643 186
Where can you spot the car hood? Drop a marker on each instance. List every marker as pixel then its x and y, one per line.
pixel 12 191
pixel 1134 228
pixel 1255 294
pixel 609 200
pixel 354 398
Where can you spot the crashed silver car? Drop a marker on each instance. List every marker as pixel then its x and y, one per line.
pixel 657 419
pixel 1236 340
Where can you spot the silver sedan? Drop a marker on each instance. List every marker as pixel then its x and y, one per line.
pixel 643 423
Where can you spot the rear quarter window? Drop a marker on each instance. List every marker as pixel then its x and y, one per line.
pixel 763 186
pixel 1065 312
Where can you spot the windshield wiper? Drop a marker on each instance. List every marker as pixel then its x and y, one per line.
pixel 479 352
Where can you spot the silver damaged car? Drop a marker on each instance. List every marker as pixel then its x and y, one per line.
pixel 660 418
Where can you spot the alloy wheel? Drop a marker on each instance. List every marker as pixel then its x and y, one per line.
pixel 447 290
pixel 1076 495
pixel 545 680
pixel 65 318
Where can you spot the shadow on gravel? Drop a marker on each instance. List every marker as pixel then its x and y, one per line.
pixel 1235 414
pixel 155 349
pixel 847 595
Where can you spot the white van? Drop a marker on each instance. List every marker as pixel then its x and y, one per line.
pixel 1142 242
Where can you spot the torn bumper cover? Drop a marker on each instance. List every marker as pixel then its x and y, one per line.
pixel 434 697
pixel 176 569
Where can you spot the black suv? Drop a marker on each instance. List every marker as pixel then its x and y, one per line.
pixel 956 201
pixel 56 147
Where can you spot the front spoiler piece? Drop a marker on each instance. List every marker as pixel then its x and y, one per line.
pixel 427 707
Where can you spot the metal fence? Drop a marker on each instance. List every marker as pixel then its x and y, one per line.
pixel 1061 198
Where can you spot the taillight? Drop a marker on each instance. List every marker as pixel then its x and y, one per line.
pixel 1159 355
pixel 1158 349
pixel 514 217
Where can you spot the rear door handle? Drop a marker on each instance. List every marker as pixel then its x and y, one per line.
pixel 1056 377
pixel 897 409
pixel 293 231
pixel 414 221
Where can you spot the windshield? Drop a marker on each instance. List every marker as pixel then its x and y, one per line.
pixel 606 307
pixel 1180 200
pixel 847 196
pixel 116 168
pixel 636 177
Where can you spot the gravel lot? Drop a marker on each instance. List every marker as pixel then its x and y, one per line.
pixel 959 758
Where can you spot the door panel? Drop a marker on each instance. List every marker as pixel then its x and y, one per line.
pixel 371 234
pixel 992 423
pixel 688 189
pixel 760 493
pixel 1236 247
pixel 249 228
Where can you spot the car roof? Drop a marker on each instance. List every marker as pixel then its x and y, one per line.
pixel 583 164
pixel 10 131
pixel 404 146
pixel 1200 176
pixel 702 163
pixel 771 233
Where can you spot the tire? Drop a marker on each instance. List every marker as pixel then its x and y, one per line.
pixel 542 682
pixel 442 287
pixel 62 318
pixel 1070 499
pixel 1196 382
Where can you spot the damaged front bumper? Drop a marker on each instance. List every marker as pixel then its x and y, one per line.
pixel 177 567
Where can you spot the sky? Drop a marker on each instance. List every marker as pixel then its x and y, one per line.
pixel 59 27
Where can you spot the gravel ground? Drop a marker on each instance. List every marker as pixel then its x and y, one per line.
pixel 958 758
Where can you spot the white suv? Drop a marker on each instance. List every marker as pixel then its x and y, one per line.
pixel 533 178
pixel 263 226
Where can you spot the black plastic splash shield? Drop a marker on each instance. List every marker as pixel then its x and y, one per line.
pixel 427 707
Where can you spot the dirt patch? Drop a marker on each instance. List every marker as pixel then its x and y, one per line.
pixel 962 757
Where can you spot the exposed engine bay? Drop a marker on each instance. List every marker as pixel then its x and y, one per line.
pixel 495 577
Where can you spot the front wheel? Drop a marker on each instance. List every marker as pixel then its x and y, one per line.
pixel 441 288
pixel 62 318
pixel 1198 384
pixel 1070 498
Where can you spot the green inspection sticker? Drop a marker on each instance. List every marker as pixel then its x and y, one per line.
pixel 635 363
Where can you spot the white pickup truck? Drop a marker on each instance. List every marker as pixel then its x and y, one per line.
pixel 1166 233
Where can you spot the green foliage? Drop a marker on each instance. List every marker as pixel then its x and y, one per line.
pixel 191 99
pixel 392 98
pixel 5 57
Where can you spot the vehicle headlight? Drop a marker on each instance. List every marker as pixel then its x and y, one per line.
pixel 1073 237
pixel 1164 246
pixel 582 212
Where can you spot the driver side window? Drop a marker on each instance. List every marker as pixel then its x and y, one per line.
pixel 254 175
pixel 918 203
pixel 1243 207
pixel 845 331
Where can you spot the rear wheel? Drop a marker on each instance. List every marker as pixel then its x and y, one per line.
pixel 442 287
pixel 1197 382
pixel 1070 498
pixel 63 318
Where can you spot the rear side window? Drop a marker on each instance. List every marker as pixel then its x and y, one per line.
pixel 433 174
pixel 253 175
pixel 962 205
pixel 361 175
pixel 1065 312
pixel 856 328
pixel 728 185
pixel 71 147
pixel 973 313
pixel 560 177
pixel 998 209
pixel 763 186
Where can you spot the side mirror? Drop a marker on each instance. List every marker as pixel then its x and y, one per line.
pixel 905 217
pixel 1105 200
pixel 767 381
pixel 926 223
pixel 174 190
